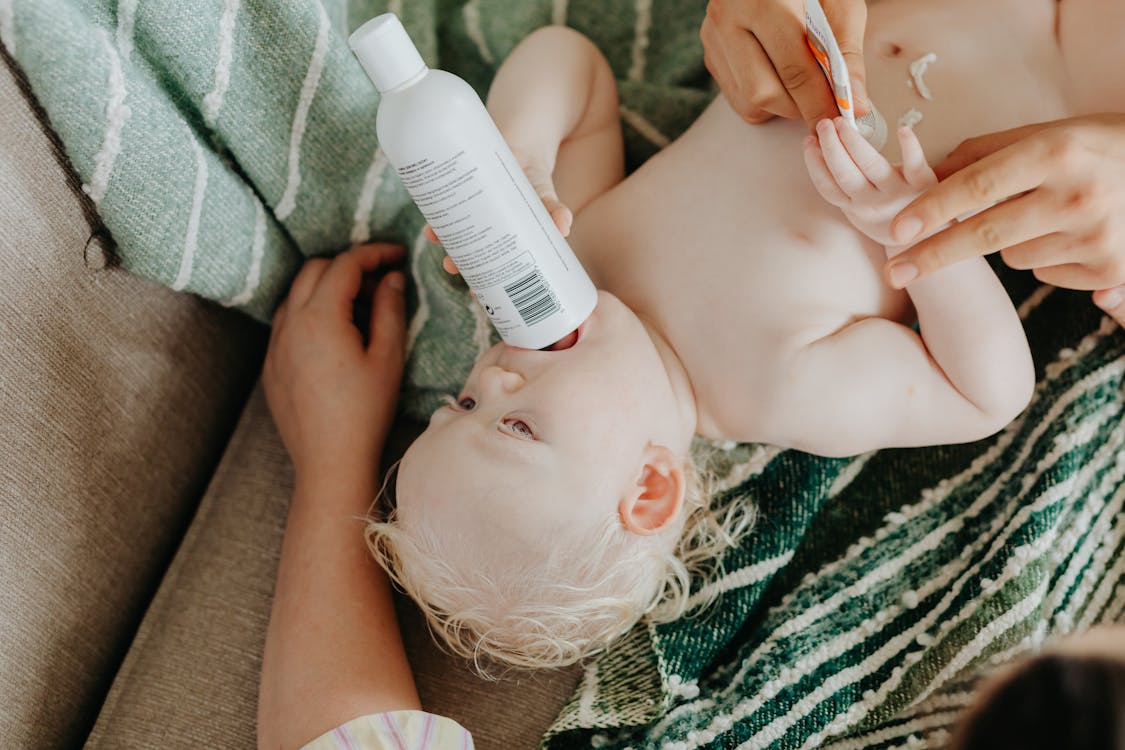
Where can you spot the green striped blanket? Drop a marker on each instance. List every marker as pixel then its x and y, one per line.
pixel 224 140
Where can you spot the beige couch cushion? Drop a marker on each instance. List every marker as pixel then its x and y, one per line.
pixel 191 678
pixel 116 398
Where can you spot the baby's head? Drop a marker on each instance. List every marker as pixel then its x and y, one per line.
pixel 538 516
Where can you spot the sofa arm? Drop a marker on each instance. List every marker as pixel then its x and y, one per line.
pixel 116 399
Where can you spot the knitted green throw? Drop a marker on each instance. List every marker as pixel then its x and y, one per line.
pixel 224 140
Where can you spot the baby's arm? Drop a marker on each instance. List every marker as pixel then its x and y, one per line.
pixel 555 101
pixel 876 383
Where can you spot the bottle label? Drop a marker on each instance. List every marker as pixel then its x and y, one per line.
pixel 487 224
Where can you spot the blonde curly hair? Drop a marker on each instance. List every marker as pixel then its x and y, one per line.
pixel 574 600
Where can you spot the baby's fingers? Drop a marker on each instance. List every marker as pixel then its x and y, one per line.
pixel 822 179
pixel 871 163
pixel 840 163
pixel 542 181
pixel 562 216
pixel 914 166
pixel 446 262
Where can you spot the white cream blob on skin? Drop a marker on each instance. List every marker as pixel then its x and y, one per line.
pixel 911 118
pixel 917 70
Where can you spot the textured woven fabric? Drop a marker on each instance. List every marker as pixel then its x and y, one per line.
pixel 116 397
pixel 224 140
pixel 875 588
pixel 871 587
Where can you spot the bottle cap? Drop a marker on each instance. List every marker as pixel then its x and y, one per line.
pixel 386 52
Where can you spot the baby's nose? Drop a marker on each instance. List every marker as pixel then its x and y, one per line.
pixel 496 379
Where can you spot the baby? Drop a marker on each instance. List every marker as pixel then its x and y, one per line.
pixel 553 502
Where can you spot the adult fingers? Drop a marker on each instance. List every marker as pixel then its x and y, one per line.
pixel 1071 276
pixel 278 321
pixel 388 322
pixel 449 266
pixel 783 40
pixel 1112 301
pixel 761 93
pixel 306 281
pixel 974 149
pixel 1008 172
pixel 431 235
pixel 848 19
pixel 340 283
pixel 279 314
pixel 1009 223
pixel 724 34
pixel 1048 250
pixel 715 59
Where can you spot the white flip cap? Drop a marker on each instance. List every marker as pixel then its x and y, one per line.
pixel 386 52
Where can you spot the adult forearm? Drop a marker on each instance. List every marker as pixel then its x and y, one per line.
pixel 333 650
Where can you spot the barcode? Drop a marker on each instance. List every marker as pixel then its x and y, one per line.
pixel 532 298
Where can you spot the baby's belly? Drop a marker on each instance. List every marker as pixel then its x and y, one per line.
pixel 996 65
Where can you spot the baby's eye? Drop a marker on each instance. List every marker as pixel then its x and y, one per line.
pixel 466 403
pixel 519 428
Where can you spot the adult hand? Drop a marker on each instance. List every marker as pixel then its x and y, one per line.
pixel 757 52
pixel 1050 197
pixel 333 399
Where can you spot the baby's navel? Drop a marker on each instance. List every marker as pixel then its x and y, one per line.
pixel 889 50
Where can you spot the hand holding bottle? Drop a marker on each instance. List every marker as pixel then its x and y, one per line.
pixel 539 175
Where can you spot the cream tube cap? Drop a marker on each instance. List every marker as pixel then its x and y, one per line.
pixel 386 52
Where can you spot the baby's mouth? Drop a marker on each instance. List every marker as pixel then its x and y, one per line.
pixel 565 342
pixel 568 340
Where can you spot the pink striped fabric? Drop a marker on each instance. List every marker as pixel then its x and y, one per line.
pixel 396 730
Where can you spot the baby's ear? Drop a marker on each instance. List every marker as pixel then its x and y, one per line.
pixel 655 501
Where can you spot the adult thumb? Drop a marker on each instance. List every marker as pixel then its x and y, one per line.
pixel 848 19
pixel 1112 302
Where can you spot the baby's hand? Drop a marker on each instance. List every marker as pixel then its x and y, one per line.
pixel 849 173
pixel 539 174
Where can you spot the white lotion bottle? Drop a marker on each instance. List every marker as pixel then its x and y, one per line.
pixel 453 161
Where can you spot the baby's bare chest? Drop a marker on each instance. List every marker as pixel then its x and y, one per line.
pixel 737 265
